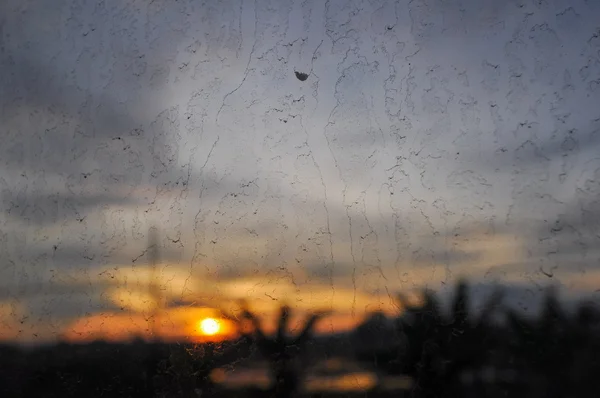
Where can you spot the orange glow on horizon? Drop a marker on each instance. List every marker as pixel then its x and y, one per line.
pixel 209 326
pixel 195 324
pixel 192 324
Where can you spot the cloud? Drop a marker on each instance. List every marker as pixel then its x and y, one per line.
pixel 78 132
pixel 438 147
pixel 45 210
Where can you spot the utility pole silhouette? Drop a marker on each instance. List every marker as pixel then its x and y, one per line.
pixel 153 354
pixel 153 283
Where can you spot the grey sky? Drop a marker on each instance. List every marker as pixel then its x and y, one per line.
pixel 432 139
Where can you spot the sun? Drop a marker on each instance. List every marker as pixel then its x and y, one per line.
pixel 209 326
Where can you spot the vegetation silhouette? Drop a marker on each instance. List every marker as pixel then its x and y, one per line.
pixel 441 347
pixel 281 350
pixel 550 349
pixel 449 350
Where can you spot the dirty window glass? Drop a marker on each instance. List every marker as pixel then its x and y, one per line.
pixel 299 198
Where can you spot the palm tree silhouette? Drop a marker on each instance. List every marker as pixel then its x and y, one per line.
pixel 281 349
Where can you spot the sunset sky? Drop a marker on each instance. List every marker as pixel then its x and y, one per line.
pixel 431 140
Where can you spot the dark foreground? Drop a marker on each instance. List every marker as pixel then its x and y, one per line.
pixel 425 352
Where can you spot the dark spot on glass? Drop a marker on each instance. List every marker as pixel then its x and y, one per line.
pixel 301 76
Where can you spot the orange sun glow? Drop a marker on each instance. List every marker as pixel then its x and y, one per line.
pixel 209 326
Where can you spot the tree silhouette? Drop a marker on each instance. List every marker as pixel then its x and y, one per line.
pixel 551 348
pixel 281 349
pixel 377 341
pixel 441 347
pixel 586 361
